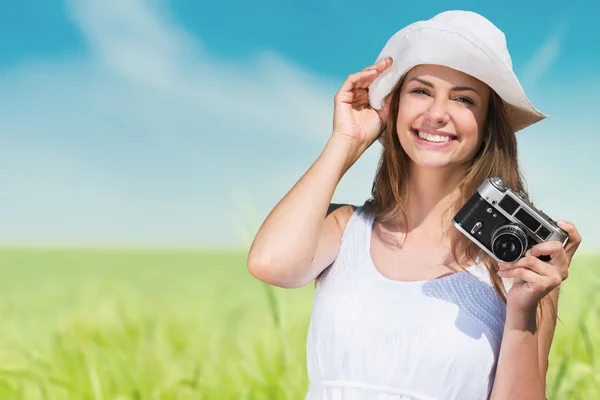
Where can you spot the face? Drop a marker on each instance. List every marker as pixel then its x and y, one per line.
pixel 441 116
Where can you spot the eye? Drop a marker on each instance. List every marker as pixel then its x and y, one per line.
pixel 463 99
pixel 420 91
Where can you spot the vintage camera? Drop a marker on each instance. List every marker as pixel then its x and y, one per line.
pixel 504 223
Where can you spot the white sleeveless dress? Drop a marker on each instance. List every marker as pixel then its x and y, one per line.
pixel 373 338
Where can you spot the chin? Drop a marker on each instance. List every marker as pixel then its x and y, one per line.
pixel 433 164
pixel 432 159
pixel 436 161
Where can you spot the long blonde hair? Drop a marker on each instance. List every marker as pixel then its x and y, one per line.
pixel 497 156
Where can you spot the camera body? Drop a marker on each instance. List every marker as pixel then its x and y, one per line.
pixel 504 223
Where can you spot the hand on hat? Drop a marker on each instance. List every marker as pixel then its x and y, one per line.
pixel 353 117
pixel 536 278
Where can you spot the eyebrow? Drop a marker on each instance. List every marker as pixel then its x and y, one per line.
pixel 455 88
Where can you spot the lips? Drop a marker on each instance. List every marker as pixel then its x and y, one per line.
pixel 433 135
pixel 442 143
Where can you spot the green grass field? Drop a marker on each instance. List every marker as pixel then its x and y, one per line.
pixel 99 324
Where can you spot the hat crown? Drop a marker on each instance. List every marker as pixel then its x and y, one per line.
pixel 475 28
pixel 466 42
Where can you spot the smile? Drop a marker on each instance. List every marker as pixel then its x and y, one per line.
pixel 434 137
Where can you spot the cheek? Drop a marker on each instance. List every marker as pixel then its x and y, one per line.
pixel 407 113
pixel 470 124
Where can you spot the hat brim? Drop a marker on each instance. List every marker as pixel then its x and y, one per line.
pixel 430 45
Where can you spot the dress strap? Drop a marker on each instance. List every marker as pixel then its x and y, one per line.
pixel 349 266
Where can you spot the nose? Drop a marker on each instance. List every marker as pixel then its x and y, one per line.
pixel 437 113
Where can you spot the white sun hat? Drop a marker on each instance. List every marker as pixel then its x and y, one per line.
pixel 462 40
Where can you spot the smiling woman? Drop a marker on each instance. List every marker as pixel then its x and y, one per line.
pixel 433 97
pixel 406 307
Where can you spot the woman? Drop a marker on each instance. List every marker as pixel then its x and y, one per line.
pixel 406 307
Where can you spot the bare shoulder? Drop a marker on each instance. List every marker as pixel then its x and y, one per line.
pixel 341 213
pixel 329 243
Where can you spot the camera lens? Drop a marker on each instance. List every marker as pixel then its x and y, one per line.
pixel 509 242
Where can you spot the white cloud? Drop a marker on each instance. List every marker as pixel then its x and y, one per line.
pixel 146 138
pixel 138 44
pixel 140 139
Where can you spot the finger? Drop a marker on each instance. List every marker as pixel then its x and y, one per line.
pixel 559 260
pixel 553 249
pixel 359 105
pixel 353 80
pixel 574 236
pixel 528 262
pixel 361 95
pixel 361 79
pixel 364 84
pixel 531 277
pixel 521 273
pixel 360 101
pixel 380 65
pixel 367 80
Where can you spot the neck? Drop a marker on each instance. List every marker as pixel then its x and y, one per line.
pixel 430 194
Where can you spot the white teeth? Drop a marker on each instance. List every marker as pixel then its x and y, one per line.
pixel 433 138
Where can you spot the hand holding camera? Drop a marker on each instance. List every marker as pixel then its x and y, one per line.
pixel 506 225
pixel 503 223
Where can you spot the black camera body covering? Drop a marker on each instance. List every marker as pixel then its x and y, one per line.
pixel 504 223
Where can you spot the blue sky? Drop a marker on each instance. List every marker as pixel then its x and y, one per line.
pixel 157 123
